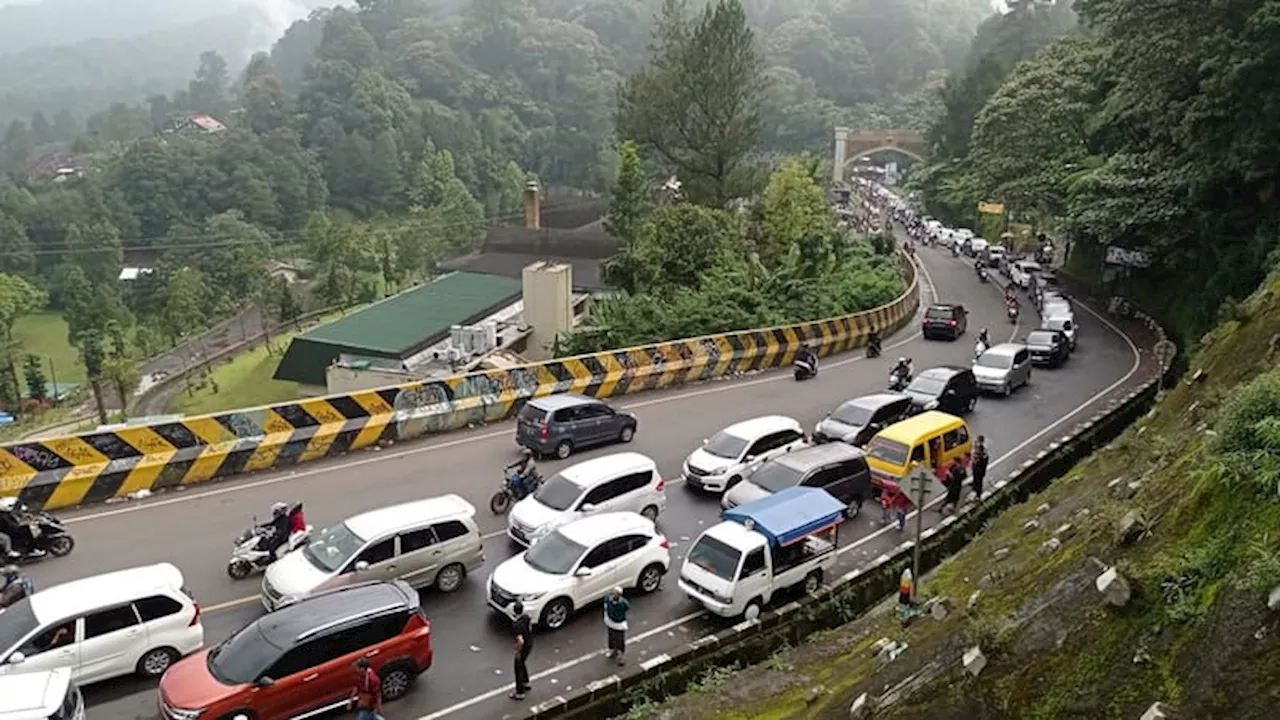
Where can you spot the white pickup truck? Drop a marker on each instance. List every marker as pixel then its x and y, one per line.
pixel 761 548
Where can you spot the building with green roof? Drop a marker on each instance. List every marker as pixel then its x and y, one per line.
pixel 400 326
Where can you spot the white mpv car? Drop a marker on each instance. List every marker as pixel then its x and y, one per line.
pixel 137 621
pixel 1022 271
pixel 613 483
pixel 578 564
pixel 723 460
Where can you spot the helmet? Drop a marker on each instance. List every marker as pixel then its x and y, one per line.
pixel 279 508
pixel 8 504
pixel 902 361
pixel 526 452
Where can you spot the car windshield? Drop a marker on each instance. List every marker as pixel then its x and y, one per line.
pixel 715 556
pixel 774 476
pixel 724 445
pixel 554 554
pixel 532 414
pixel 558 493
pixel 888 451
pixel 243 657
pixel 851 414
pixel 998 361
pixel 927 386
pixel 333 547
pixel 1040 338
pixel 1057 323
pixel 16 622
pixel 939 313
pixel 1030 267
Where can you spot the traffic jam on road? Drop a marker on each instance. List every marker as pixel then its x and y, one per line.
pixel 785 485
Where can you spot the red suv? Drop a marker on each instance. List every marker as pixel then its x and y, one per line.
pixel 300 660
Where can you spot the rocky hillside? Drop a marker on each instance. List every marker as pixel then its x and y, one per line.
pixel 1147 575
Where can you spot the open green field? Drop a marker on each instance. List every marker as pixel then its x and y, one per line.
pixel 45 334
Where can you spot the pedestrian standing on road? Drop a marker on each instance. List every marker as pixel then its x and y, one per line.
pixel 615 622
pixel 368 692
pixel 523 631
pixel 954 483
pixel 896 504
pixel 979 468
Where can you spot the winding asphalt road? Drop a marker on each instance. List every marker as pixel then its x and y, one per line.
pixel 472 670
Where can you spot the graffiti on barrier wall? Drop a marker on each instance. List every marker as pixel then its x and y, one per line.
pixel 420 409
pixel 481 397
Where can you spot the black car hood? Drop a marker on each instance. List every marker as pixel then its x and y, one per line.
pixel 920 399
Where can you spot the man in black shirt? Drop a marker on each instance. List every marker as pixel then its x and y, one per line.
pixel 979 468
pixel 523 631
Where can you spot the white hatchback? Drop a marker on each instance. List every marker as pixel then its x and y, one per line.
pixel 723 459
pixel 137 621
pixel 1022 272
pixel 578 564
pixel 612 483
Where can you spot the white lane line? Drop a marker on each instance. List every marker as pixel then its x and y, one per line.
pixel 1137 363
pixel 559 668
pixel 380 457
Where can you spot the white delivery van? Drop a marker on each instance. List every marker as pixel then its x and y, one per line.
pixel 46 695
pixel 761 548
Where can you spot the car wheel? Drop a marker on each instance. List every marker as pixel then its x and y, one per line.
pixel 650 579
pixel 450 578
pixel 62 545
pixel 155 662
pixel 397 680
pixel 564 449
pixel 854 508
pixel 240 715
pixel 650 513
pixel 812 582
pixel 752 611
pixel 556 614
pixel 627 434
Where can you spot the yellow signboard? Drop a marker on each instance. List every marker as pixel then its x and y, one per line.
pixel 991 208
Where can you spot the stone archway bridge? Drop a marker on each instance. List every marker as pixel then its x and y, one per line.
pixel 850 146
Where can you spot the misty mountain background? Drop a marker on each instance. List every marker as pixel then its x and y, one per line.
pixel 82 55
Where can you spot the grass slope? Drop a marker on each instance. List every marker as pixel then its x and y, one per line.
pixel 45 334
pixel 1197 633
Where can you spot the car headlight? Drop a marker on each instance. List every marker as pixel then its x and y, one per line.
pixel 530 597
pixel 181 714
pixel 932 404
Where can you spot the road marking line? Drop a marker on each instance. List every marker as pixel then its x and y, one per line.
pixel 1137 364
pixel 379 457
pixel 230 604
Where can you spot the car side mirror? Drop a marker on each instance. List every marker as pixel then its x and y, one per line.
pixel 705 441
pixel 362 565
pixel 264 682
pixel 17 658
pixel 588 507
pixel 584 572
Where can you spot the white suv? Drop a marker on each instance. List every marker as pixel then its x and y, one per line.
pixel 578 564
pixel 613 483
pixel 723 460
pixel 1022 271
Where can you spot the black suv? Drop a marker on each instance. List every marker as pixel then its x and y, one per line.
pixel 952 390
pixel 945 320
pixel 1048 347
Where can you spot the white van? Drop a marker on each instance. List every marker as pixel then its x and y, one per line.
pixel 622 482
pixel 48 695
pixel 137 621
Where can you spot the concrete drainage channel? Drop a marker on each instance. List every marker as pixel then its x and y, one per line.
pixel 860 590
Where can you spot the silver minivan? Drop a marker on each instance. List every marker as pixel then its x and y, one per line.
pixel 426 543
pixel 1003 368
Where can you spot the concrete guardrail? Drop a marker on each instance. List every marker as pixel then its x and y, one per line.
pixel 98 466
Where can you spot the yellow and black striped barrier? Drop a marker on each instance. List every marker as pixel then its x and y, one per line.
pixel 95 467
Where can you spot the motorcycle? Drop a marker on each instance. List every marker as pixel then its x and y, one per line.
pixel 47 534
pixel 873 348
pixel 512 492
pixel 26 589
pixel 805 369
pixel 982 274
pixel 979 348
pixel 1013 313
pixel 898 381
pixel 249 550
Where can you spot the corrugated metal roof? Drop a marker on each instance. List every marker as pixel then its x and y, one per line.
pixel 400 325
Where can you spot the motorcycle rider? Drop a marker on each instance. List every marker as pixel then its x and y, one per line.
pixel 525 471
pixel 873 342
pixel 13 531
pixel 984 342
pixel 902 370
pixel 807 356
pixel 13 586
pixel 278 528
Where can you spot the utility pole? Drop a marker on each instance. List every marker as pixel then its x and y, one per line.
pixel 920 489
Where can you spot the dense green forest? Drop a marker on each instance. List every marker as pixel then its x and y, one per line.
pixel 374 141
pixel 1135 127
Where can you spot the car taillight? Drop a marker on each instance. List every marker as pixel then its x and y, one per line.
pixel 195 618
pixel 546 431
pixel 664 543
pixel 662 484
pixel 952 323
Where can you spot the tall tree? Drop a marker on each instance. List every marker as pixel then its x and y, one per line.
pixel 695 107
pixel 629 207
pixel 208 92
